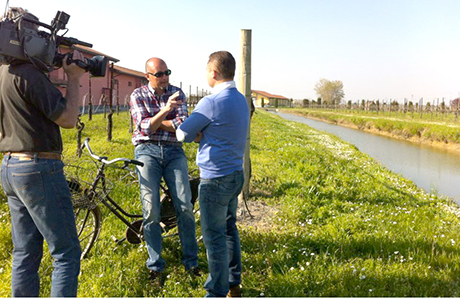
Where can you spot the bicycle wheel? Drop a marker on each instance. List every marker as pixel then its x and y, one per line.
pixel 87 214
pixel 168 219
pixel 88 222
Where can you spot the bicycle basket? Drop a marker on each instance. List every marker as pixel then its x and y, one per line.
pixel 80 185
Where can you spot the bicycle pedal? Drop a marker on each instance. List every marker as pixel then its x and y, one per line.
pixel 118 241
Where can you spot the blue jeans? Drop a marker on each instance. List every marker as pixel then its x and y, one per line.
pixel 218 203
pixel 170 163
pixel 40 208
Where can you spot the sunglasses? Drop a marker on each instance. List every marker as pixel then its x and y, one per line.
pixel 160 74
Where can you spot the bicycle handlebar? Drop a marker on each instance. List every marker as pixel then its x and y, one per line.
pixel 108 162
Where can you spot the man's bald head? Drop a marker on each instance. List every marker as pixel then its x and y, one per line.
pixel 153 66
pixel 154 63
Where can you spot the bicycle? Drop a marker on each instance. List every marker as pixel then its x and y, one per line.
pixel 88 193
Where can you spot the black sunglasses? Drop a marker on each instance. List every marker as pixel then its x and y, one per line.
pixel 161 74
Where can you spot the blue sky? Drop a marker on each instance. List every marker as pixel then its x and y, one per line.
pixel 391 49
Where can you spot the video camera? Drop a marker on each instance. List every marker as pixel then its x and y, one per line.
pixel 26 43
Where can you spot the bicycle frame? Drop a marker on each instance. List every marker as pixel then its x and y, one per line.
pixel 113 206
pixel 88 211
pixel 108 202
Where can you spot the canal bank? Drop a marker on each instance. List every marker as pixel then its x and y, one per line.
pixel 442 143
pixel 434 169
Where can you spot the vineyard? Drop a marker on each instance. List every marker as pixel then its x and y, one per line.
pixel 328 222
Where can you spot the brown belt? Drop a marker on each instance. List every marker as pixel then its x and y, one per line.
pixel 31 155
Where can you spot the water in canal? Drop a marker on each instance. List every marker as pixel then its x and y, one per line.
pixel 430 168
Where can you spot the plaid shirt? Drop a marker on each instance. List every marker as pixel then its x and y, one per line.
pixel 145 104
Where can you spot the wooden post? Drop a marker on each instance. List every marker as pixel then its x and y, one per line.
pixel 90 102
pixel 244 86
pixel 190 101
pixel 109 117
pixel 118 96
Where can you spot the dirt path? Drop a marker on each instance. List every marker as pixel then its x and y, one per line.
pixel 261 213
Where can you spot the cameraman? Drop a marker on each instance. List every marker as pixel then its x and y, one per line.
pixel 31 111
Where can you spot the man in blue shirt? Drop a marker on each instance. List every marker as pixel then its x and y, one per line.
pixel 220 121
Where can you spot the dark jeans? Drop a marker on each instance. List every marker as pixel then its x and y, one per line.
pixel 40 208
pixel 218 205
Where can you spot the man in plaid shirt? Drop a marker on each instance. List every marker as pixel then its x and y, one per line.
pixel 157 110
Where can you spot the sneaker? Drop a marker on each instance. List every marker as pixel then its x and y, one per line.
pixel 234 292
pixel 195 272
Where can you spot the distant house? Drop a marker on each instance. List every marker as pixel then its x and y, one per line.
pixel 262 99
pixel 98 88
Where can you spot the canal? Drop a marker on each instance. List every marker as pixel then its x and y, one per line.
pixel 432 169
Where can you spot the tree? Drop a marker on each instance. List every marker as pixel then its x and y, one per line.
pixel 331 92
pixel 455 104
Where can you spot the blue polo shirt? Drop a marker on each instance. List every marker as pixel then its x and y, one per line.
pixel 223 119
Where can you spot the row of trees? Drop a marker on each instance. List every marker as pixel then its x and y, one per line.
pixel 331 94
pixel 377 105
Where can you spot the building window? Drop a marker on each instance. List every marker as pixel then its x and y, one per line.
pixel 130 83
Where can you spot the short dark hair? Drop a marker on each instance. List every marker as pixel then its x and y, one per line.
pixel 224 63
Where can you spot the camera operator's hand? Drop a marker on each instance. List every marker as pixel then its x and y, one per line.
pixel 72 70
pixel 68 118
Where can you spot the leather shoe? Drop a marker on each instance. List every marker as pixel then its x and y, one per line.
pixel 234 292
pixel 155 278
pixel 195 272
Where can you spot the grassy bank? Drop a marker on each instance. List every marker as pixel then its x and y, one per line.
pixel 440 132
pixel 329 222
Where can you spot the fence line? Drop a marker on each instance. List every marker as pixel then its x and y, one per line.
pixel 377 107
pixel 102 106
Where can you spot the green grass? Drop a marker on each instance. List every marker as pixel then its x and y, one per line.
pixel 339 224
pixel 431 128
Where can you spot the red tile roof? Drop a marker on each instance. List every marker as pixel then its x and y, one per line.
pixel 268 95
pixel 127 71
